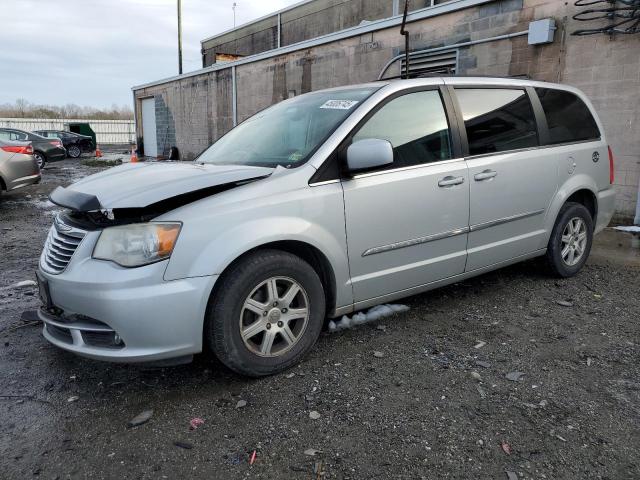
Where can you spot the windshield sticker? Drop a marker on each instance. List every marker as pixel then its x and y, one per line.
pixel 295 157
pixel 339 104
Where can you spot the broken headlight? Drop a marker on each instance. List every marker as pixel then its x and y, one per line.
pixel 137 244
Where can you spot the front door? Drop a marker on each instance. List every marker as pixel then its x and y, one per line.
pixel 407 223
pixel 512 181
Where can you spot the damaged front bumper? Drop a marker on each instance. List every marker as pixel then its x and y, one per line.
pixel 106 312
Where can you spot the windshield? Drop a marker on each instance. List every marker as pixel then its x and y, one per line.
pixel 287 133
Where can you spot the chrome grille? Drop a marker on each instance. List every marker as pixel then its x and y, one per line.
pixel 60 246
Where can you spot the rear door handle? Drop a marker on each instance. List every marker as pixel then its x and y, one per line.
pixel 485 175
pixel 450 181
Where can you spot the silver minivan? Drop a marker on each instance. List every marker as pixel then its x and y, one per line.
pixel 319 206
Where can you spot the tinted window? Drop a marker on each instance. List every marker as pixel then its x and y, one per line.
pixel 568 118
pixel 4 135
pixel 416 126
pixel 497 120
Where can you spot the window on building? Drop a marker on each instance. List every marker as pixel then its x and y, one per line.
pixel 415 124
pixel 568 118
pixel 497 120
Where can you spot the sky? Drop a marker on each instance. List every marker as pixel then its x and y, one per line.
pixel 91 52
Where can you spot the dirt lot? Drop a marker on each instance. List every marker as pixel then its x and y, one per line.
pixel 436 404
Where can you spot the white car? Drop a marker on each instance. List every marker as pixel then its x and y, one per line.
pixel 320 206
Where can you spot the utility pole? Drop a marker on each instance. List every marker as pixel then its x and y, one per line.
pixel 234 13
pixel 180 37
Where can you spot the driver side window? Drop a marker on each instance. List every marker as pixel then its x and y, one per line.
pixel 416 126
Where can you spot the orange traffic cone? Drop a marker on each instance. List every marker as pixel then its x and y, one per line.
pixel 134 157
pixel 98 152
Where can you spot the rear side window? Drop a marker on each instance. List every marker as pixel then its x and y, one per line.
pixel 416 126
pixel 497 120
pixel 568 118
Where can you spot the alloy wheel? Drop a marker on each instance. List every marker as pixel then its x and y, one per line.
pixel 573 241
pixel 274 317
pixel 40 159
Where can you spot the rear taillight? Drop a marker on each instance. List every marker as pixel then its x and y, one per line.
pixel 611 174
pixel 56 143
pixel 26 150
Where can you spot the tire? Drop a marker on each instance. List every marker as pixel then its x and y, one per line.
pixel 278 338
pixel 570 241
pixel 74 151
pixel 40 158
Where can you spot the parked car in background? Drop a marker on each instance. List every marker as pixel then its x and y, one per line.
pixel 322 205
pixel 74 143
pixel 44 149
pixel 18 167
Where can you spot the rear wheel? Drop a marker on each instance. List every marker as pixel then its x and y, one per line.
pixel 267 314
pixel 40 158
pixel 571 240
pixel 74 151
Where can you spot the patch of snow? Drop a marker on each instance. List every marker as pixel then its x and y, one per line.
pixel 632 229
pixel 24 283
pixel 374 313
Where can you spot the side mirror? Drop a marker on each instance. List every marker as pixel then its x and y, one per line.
pixel 369 153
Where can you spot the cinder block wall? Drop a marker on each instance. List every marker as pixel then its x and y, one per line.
pixel 607 69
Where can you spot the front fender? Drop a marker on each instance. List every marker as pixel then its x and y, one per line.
pixel 568 188
pixel 230 243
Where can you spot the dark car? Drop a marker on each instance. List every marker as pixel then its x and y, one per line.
pixel 44 149
pixel 74 143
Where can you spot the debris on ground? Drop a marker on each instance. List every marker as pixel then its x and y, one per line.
pixel 481 391
pixel 506 448
pixel 483 364
pixel 195 423
pixel 630 229
pixel 515 376
pixel 313 415
pixel 564 303
pixel 30 316
pixel 511 475
pixel 312 452
pixel 181 444
pixel 476 376
pixel 241 404
pixel 378 354
pixel 141 418
pixel 73 398
pixel 480 344
pixel 374 313
pixel 253 458
pixel 24 284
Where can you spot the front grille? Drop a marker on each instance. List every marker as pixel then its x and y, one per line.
pixel 60 246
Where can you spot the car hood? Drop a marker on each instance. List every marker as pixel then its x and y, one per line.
pixel 139 185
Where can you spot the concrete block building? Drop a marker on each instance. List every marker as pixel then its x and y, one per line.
pixel 318 44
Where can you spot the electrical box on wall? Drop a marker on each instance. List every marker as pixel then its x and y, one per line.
pixel 542 31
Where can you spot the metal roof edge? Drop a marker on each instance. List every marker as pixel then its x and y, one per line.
pixel 372 26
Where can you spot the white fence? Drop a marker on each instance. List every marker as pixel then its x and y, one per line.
pixel 107 131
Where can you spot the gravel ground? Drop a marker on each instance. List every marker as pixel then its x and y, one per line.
pixel 434 401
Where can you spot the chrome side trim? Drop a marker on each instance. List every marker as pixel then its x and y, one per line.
pixel 500 221
pixel 325 182
pixel 415 241
pixel 410 167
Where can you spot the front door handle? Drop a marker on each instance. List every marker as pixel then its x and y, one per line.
pixel 450 181
pixel 485 175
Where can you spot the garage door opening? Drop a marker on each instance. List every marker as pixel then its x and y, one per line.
pixel 149 127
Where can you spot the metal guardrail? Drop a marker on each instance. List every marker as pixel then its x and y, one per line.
pixel 107 131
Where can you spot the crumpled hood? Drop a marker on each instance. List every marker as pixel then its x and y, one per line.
pixel 138 185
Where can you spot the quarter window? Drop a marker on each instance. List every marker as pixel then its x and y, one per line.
pixel 568 118
pixel 415 124
pixel 497 120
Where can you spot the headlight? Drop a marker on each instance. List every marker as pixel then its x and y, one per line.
pixel 138 244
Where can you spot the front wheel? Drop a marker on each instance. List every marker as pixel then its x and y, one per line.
pixel 570 241
pixel 267 313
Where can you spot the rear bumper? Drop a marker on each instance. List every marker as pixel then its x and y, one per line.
pixel 24 181
pixel 152 318
pixel 606 208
